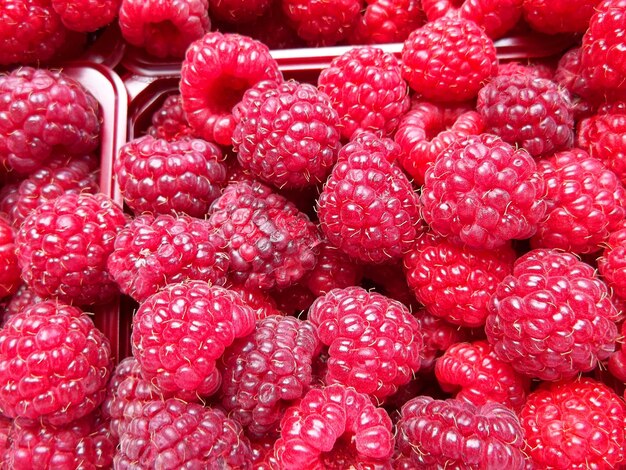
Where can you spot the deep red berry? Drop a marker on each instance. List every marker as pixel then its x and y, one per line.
pixel 260 301
pixel 86 15
pixel 293 300
pixel 438 336
pixel 385 21
pixel 239 12
pixel 272 29
pixel 19 301
pixel 612 263
pixel 538 70
pixel 169 121
pixel 559 16
pixel 569 75
pixel 334 269
pixel 9 269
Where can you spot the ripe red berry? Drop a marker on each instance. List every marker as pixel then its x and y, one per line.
pixel 559 16
pixel 86 15
pixel 569 75
pixel 334 269
pixel 9 269
pixel 385 21
pixel 239 12
pixel 612 263
pixel 438 336
pixel 169 121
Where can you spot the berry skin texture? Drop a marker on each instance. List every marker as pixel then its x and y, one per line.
pixel 216 72
pixel 180 332
pixel 366 88
pixel 171 434
pixel 538 70
pixel 264 373
pixel 151 252
pixel 334 428
pixel 43 113
pixel 585 203
pixel 169 121
pixel 612 263
pixel 438 335
pixel 455 434
pixel 574 425
pixel 552 318
pixel 9 269
pixel 368 208
pixel 183 176
pixel 86 15
pixel 427 130
pixel 531 112
pixel 385 21
pixel 63 247
pixel 54 364
pixel 261 302
pixel 569 75
pixel 448 60
pixel 374 343
pixel 239 12
pixel 271 244
pixel 455 282
pixel 334 269
pixel 19 301
pixel 559 16
pixel 288 134
pixel 604 50
pixel 164 29
pixel 483 192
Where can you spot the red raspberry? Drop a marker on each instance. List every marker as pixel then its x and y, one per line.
pixel 334 269
pixel 260 301
pixel 604 50
pixel 179 333
pixel 287 134
pixel 215 74
pixel 536 70
pixel 455 282
pixel 21 300
pixel 239 11
pixel 438 336
pixel 559 16
pixel 59 176
pixel 43 113
pixel 54 364
pixel 483 192
pixel 427 130
pixel 164 29
pixel 9 269
pixel 322 22
pixel 5 428
pixel 64 244
pixel 448 60
pixel 604 137
pixel 568 75
pixel 496 17
pixel 8 198
pixel 294 300
pixel 86 15
pixel 181 176
pixel 531 112
pixel 263 457
pixel 270 243
pixel 30 31
pixel 264 373
pixel 83 444
pixel 455 434
pixel 385 21
pixel 172 435
pixel 368 208
pixel 389 280
pixel 366 88
pixel 585 203
pixel 333 428
pixel 272 29
pixel 574 425
pixel 612 263
pixel 169 121
pixel 552 318
pixel 374 343
pixel 473 372
pixel 617 361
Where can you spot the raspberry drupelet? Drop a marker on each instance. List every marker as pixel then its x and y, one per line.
pixel 169 121
pixel 86 15
pixel 385 21
pixel 10 271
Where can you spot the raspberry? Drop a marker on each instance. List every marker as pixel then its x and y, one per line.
pixel 612 263
pixel 536 70
pixel 334 269
pixel 54 364
pixel 264 373
pixel 179 333
pixel 171 435
pixel 531 112
pixel 151 252
pixel 559 16
pixel 30 31
pixel 263 457
pixel 575 425
pixel 293 300
pixel 374 343
pixel 427 130
pixel 455 434
pixel 496 17
pixel 604 50
pixel 21 300
pixel 448 60
pixel 552 318
pixel 334 428
pixel 585 203
pixel 239 11
pixel 216 72
pixel 322 22
pixel 288 134
pixel 474 373
pixel 568 75
pixel 385 21
pixel 9 269
pixel 261 302
pixel 366 88
pixel 617 361
pixel 63 247
pixel 43 113
pixel 181 176
pixel 169 121
pixel 272 29
pixel 368 208
pixel 455 282
pixel 8 198
pixel 438 336
pixel 5 428
pixel 483 192
pixel 389 280
pixel 270 243
pixel 86 15
pixel 59 176
pixel 164 29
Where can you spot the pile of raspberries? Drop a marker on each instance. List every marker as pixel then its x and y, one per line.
pixel 413 262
